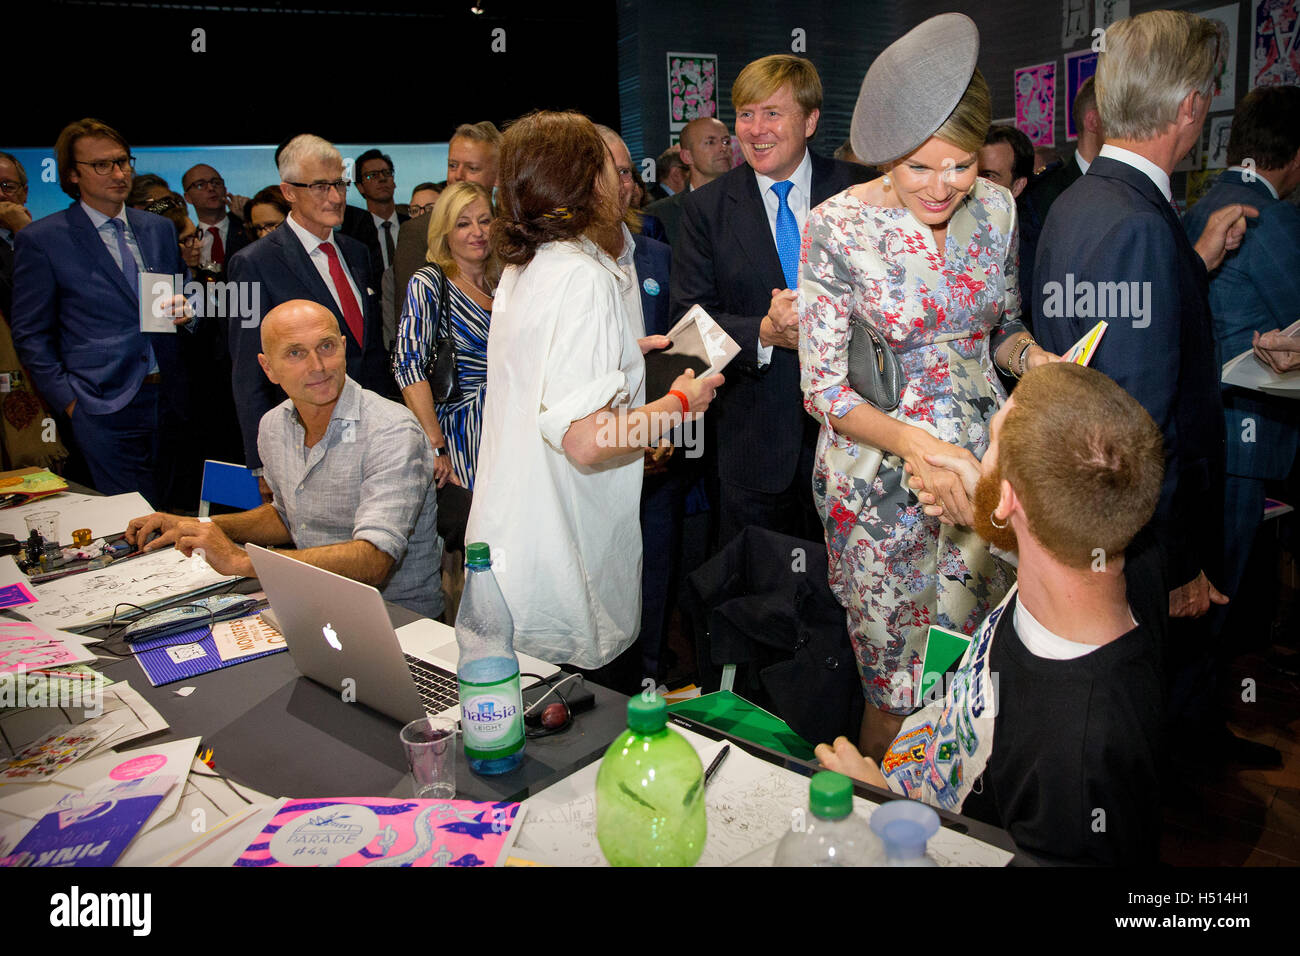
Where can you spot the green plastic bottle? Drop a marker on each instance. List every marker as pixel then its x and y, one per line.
pixel 650 792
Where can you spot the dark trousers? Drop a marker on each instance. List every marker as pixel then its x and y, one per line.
pixel 789 511
pixel 663 508
pixel 122 448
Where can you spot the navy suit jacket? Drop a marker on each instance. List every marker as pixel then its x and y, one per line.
pixel 1256 289
pixel 653 261
pixel 76 321
pixel 1114 226
pixel 284 271
pixel 725 260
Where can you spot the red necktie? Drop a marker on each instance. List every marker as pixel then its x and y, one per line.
pixel 348 302
pixel 218 249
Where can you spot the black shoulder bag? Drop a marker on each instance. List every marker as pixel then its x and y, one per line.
pixel 440 368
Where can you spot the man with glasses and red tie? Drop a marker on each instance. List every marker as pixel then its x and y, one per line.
pixel 307 259
pixel 377 224
pixel 76 316
pixel 223 231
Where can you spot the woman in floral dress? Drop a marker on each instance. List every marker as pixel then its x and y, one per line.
pixel 926 254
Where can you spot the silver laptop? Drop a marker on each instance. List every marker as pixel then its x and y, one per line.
pixel 339 634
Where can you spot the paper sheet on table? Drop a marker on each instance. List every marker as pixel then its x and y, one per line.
pixel 135 716
pixel 221 845
pixel 11 576
pixel 103 515
pixel 64 745
pixel 173 757
pixel 157 289
pixel 27 647
pixel 147 581
pixel 244 636
pixel 749 804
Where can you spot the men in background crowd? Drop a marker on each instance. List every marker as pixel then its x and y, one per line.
pixel 1007 158
pixel 306 259
pixel 376 225
pixel 219 215
pixel 671 173
pixel 14 217
pixel 471 157
pixel 737 255
pixel 1254 292
pixel 351 472
pixel 76 317
pixel 706 149
pixel 1116 228
pixel 1087 122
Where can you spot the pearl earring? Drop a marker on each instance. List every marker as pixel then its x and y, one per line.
pixel 885 180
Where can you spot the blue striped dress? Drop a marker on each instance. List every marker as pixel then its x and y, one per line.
pixel 461 421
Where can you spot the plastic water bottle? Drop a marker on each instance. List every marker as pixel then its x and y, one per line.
pixel 491 705
pixel 832 834
pixel 650 792
pixel 905 826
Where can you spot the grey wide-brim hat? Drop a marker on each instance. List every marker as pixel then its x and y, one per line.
pixel 914 86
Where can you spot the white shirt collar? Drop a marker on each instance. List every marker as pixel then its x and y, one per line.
pixel 309 241
pixel 1258 178
pixel 7 235
pixel 1142 164
pixel 801 177
pixel 379 223
pixel 98 219
pixel 1083 163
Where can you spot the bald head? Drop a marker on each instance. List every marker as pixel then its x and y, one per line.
pixel 706 148
pixel 289 318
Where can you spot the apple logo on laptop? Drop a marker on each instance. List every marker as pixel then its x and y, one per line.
pixel 331 637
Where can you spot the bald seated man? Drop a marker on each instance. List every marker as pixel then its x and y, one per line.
pixel 351 474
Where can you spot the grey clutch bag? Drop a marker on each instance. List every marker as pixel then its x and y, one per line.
pixel 874 370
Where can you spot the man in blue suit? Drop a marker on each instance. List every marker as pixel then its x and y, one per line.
pixel 1113 248
pixel 76 316
pixel 737 255
pixel 1256 290
pixel 307 259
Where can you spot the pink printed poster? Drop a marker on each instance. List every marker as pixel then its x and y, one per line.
pixel 1274 54
pixel 1036 103
pixel 692 88
pixel 380 831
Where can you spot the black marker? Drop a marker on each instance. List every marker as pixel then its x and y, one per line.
pixel 717 762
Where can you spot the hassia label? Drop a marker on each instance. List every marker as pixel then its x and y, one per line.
pixel 492 716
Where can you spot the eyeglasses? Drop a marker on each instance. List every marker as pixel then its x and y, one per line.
pixel 321 190
pixel 193 239
pixel 413 210
pixel 216 182
pixel 262 229
pixel 9 188
pixel 377 176
pixel 160 206
pixel 106 166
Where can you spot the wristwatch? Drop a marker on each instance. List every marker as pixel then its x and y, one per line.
pixel 440 451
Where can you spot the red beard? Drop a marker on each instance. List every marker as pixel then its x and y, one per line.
pixel 987 493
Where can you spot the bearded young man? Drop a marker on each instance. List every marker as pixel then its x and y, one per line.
pixel 1050 727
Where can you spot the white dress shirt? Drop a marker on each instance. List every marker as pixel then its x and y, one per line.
pixel 100 222
pixel 799 200
pixel 1258 178
pixel 1142 164
pixel 379 228
pixel 565 538
pixel 1083 163
pixel 322 262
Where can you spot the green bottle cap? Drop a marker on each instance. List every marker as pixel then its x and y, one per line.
pixel 478 555
pixel 646 716
pixel 830 795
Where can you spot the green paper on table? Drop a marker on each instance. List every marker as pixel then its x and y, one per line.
pixel 943 649
pixel 734 715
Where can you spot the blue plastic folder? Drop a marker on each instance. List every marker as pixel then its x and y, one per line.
pixel 187 654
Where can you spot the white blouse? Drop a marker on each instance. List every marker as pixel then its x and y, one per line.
pixel 565 539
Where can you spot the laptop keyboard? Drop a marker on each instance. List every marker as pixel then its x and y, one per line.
pixel 438 689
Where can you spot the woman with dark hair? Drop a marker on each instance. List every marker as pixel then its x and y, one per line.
pixel 265 212
pixel 149 188
pixel 565 423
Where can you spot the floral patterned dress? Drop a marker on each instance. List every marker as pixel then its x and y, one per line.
pixel 896 570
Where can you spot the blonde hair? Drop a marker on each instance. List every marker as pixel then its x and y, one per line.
pixel 760 79
pixel 442 220
pixel 1148 65
pixel 967 126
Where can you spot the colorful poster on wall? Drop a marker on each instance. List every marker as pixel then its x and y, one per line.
pixel 1225 67
pixel 1036 103
pixel 1199 182
pixel 1216 152
pixel 1108 11
pixel 1078 67
pixel 1274 56
pixel 1074 22
pixel 692 88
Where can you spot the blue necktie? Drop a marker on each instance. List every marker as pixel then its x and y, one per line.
pixel 129 268
pixel 787 235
